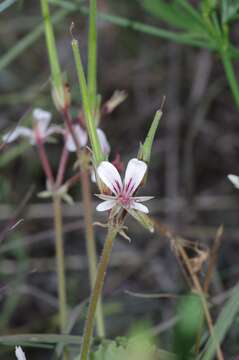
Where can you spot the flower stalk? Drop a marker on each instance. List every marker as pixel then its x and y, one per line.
pixel 96 293
pixel 90 238
pixel 60 261
pixel 60 265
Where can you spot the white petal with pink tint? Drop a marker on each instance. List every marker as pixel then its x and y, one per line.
pixel 134 174
pixel 19 353
pixel 106 205
pixel 19 131
pixel 42 120
pixel 110 177
pixel 140 207
pixel 81 136
pixel 105 146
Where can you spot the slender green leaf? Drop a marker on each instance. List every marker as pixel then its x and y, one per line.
pixel 188 38
pixel 223 324
pixel 92 56
pixel 29 40
pixel 6 4
pixel 145 149
pixel 51 46
pixel 176 14
pixel 91 126
pixel 40 340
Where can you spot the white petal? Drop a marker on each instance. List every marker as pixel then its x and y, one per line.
pixel 19 353
pixel 42 119
pixel 105 146
pixel 234 180
pixel 106 205
pixel 92 176
pixel 16 133
pixel 81 136
pixel 143 198
pixel 70 144
pixel 134 174
pixel 140 207
pixel 55 129
pixel 110 176
pixel 105 197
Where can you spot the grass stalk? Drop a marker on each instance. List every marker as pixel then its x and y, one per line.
pixel 96 292
pixel 98 155
pixel 51 46
pixel 90 240
pixel 60 263
pixel 92 55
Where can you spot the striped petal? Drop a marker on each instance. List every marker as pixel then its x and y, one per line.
pixel 134 174
pixel 110 177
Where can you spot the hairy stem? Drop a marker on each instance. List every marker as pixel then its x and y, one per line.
pixel 99 282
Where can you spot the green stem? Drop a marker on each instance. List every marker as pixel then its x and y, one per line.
pixel 99 282
pixel 98 155
pixel 226 60
pixel 92 56
pixel 90 243
pixel 51 46
pixel 60 262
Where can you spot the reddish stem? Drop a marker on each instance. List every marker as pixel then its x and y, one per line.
pixel 62 166
pixel 74 179
pixel 44 159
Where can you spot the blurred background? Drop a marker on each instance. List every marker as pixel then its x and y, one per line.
pixel 195 148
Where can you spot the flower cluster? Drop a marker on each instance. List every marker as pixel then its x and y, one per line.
pixel 42 130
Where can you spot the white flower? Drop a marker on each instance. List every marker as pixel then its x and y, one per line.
pixel 19 353
pixel 234 180
pixel 123 191
pixel 41 128
pixel 82 136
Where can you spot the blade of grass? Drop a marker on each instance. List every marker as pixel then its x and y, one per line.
pixel 6 4
pixel 29 40
pixel 176 14
pixel 181 38
pixel 40 340
pixel 192 39
pixel 224 322
pixel 92 56
pixel 91 127
pixel 51 47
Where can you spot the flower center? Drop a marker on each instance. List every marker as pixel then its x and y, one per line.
pixel 124 200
